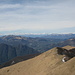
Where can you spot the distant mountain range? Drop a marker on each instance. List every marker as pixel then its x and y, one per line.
pixel 45 35
pixel 39 43
pixel 70 42
pixel 42 43
pixel 12 46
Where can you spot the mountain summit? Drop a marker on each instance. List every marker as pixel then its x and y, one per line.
pixel 47 63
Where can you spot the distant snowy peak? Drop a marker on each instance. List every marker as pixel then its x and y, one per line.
pixel 43 35
pixel 39 34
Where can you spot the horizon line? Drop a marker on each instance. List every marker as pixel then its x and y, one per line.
pixel 35 33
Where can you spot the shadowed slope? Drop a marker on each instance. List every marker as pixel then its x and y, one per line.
pixel 8 52
pixel 18 59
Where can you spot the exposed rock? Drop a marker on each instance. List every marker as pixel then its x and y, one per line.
pixel 68 53
pixel 61 51
pixel 66 58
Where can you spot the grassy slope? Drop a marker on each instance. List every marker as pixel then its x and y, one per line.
pixel 68 47
pixel 68 68
pixel 48 63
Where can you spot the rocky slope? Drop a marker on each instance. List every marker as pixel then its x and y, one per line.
pixel 48 63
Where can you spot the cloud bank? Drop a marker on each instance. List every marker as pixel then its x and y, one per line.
pixel 36 15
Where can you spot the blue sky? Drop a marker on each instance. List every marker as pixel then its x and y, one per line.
pixel 37 16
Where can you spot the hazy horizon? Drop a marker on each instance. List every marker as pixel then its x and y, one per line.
pixel 37 16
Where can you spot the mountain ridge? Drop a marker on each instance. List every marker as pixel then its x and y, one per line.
pixel 47 63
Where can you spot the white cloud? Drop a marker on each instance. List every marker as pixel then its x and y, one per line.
pixel 37 26
pixel 5 6
pixel 37 16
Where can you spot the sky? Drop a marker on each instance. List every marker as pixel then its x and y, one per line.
pixel 37 16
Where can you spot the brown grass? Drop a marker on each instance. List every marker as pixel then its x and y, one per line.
pixel 48 63
pixel 68 47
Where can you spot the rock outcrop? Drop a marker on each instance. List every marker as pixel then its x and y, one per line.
pixel 68 53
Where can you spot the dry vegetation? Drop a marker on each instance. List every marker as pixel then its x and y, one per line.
pixel 68 47
pixel 48 63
